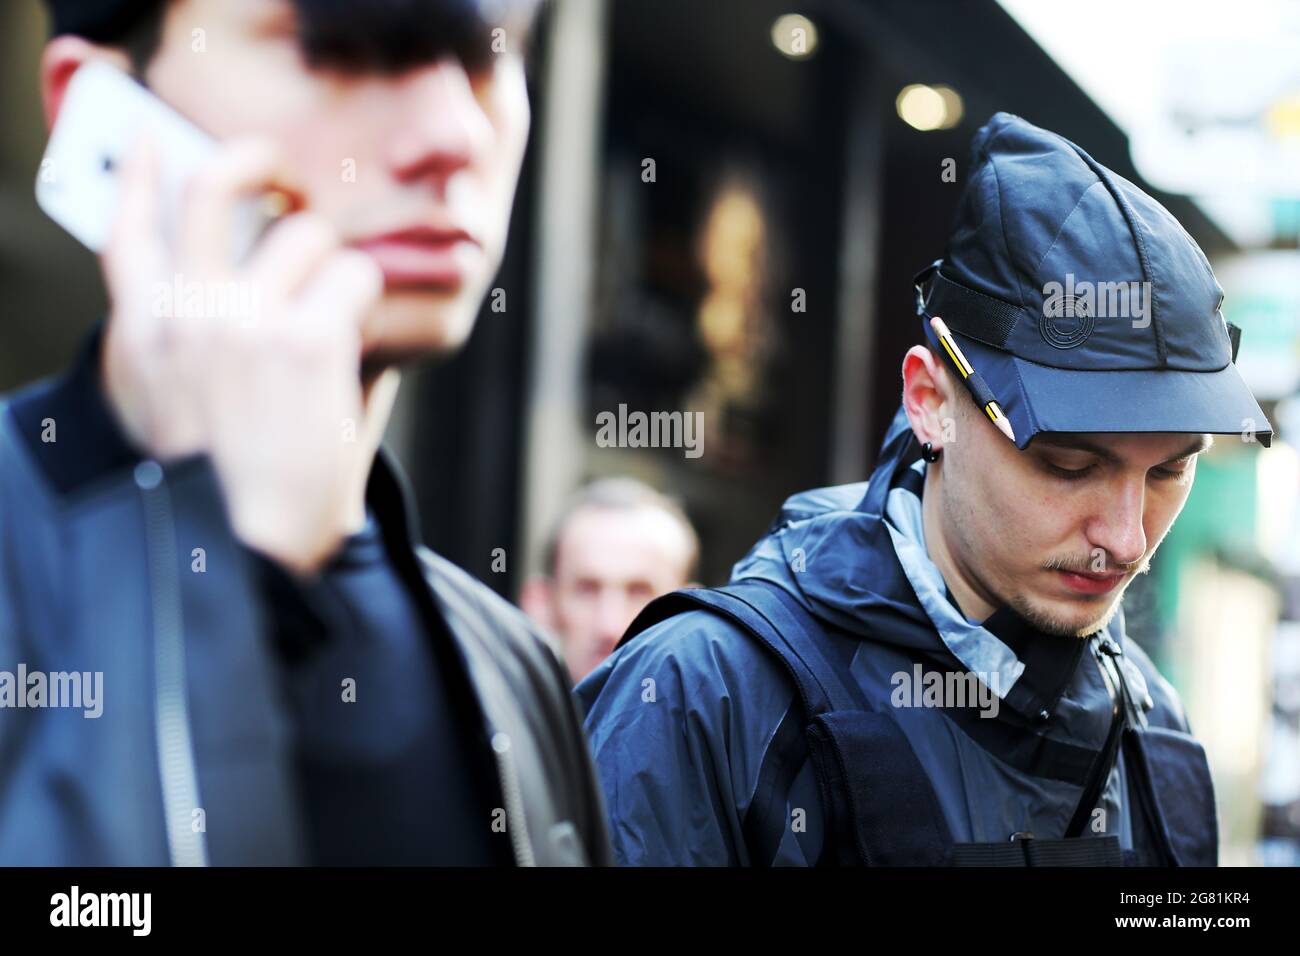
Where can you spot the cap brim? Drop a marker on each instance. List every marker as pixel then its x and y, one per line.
pixel 1039 398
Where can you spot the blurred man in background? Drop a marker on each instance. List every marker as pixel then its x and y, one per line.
pixel 618 545
pixel 289 676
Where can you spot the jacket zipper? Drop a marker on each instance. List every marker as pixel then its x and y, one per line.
pixel 516 824
pixel 179 777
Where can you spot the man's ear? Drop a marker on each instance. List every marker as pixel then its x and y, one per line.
pixel 60 59
pixel 927 396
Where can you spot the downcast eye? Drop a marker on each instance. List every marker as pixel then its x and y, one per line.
pixel 1068 474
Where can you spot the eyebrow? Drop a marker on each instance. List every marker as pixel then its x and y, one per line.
pixel 1202 443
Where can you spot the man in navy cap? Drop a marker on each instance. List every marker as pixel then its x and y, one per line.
pixel 931 668
pixel 199 510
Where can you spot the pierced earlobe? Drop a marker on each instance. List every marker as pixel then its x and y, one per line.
pixel 929 452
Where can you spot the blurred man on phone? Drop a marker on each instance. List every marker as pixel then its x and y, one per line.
pixel 290 676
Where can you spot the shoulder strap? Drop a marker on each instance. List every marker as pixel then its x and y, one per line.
pixel 772 617
pixel 870 776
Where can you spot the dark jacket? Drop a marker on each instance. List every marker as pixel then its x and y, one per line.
pixel 701 741
pixel 98 572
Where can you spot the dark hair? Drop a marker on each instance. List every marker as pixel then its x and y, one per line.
pixel 385 36
pixel 394 35
pixel 142 38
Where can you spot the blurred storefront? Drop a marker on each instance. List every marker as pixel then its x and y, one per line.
pixel 730 228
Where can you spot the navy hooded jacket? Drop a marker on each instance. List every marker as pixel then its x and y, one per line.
pixel 691 719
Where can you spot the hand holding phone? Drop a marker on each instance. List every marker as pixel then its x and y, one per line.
pixel 274 397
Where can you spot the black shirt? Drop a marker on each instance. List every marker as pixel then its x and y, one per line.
pixel 384 766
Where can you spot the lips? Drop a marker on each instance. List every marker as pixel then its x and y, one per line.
pixel 423 257
pixel 1084 583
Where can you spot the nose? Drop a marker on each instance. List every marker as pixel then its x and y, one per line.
pixel 1119 527
pixel 442 125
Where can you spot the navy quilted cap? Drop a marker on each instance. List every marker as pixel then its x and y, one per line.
pixel 1082 302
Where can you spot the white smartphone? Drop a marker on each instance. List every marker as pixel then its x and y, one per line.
pixel 103 110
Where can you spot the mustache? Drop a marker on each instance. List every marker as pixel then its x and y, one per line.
pixel 1088 565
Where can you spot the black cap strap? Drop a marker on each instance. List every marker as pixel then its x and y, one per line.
pixel 973 314
pixel 982 317
pixel 1234 336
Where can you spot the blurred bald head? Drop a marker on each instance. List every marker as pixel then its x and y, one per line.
pixel 617 545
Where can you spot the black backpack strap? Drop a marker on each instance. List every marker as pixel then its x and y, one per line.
pixel 1028 851
pixel 773 618
pixel 881 805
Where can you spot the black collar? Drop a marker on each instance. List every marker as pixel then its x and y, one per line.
pixel 90 446
pixel 88 443
pixel 1050 661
